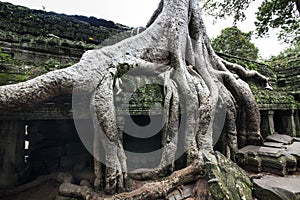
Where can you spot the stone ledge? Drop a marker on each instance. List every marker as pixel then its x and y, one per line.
pixel 277 188
pixel 280 158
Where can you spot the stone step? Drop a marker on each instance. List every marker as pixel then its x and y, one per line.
pixel 276 158
pixel 277 188
pixel 280 138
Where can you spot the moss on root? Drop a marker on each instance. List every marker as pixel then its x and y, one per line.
pixel 227 180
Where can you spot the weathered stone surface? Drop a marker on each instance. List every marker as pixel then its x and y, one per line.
pixel 285 139
pixel 249 162
pixel 273 144
pixel 15 19
pixel 11 152
pixel 260 150
pixel 270 159
pixel 277 188
pixel 277 163
pixel 294 149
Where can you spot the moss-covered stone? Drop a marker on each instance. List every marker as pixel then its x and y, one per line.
pixel 227 181
pixel 272 97
pixel 35 41
pixel 22 20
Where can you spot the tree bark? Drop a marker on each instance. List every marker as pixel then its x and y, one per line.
pixel 176 48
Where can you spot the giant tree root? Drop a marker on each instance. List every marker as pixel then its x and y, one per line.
pixel 175 48
pixel 224 178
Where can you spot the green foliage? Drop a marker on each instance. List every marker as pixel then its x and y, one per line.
pixel 235 42
pixel 222 9
pixel 282 14
pixel 289 57
pixel 4 58
pixel 143 94
pixel 146 96
pixel 41 41
pixel 53 64
pixel 122 69
pixel 279 14
pixel 272 97
pixel 12 78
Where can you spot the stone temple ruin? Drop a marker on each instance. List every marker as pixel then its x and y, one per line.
pixel 44 139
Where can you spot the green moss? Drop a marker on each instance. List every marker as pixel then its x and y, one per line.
pixel 44 40
pixel 227 180
pixel 39 40
pixel 21 78
pixel 272 97
pixel 53 64
pixel 140 93
pixel 23 21
pixel 146 96
pixel 122 69
pixel 12 78
pixel 290 57
pixel 5 58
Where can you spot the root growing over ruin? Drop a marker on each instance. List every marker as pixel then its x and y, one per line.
pixel 197 82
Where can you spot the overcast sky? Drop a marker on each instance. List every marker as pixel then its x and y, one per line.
pixel 137 12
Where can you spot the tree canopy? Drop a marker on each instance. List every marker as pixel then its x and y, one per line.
pixel 235 42
pixel 282 14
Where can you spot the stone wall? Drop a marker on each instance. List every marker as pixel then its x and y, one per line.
pixel 280 107
pixel 33 42
pixel 288 79
pixel 39 52
pixel 55 146
pixel 25 57
pixel 12 134
pixel 21 20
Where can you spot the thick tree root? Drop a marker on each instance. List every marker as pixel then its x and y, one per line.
pixel 225 181
pixel 116 171
pixel 153 190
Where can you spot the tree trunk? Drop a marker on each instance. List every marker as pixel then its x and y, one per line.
pixel 197 82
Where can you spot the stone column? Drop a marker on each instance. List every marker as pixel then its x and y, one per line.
pixel 297 123
pixel 290 123
pixel 12 143
pixel 271 126
pixel 267 123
